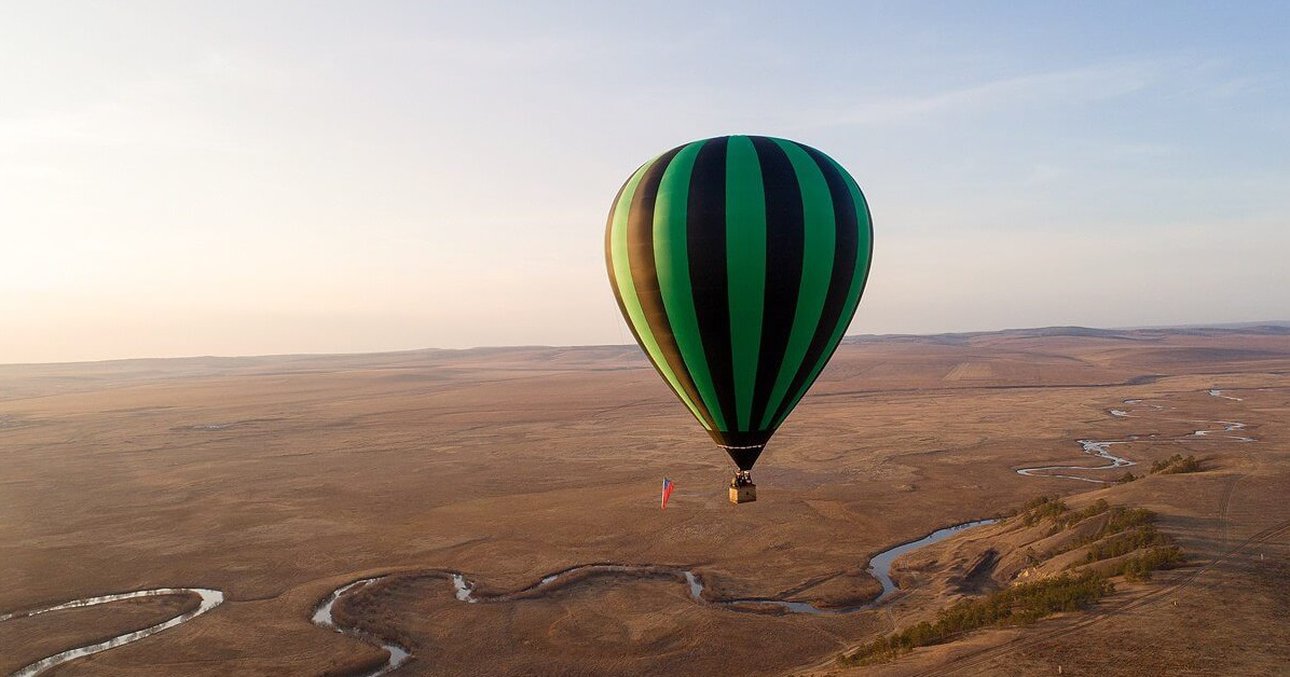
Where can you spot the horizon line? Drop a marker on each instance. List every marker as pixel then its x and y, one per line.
pixel 1231 326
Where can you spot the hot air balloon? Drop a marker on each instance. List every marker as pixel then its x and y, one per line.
pixel 738 263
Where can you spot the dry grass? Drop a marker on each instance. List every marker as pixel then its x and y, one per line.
pixel 278 479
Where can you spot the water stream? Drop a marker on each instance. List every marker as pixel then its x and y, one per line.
pixel 1102 449
pixel 464 589
pixel 210 600
pixel 322 618
pixel 879 568
pixel 1092 448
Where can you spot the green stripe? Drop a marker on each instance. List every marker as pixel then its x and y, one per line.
pixel 672 266
pixel 817 267
pixel 745 268
pixel 864 244
pixel 627 289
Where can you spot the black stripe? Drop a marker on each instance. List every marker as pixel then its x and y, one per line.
pixel 845 250
pixel 784 250
pixel 706 245
pixel 640 256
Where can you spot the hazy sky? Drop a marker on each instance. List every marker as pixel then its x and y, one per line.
pixel 246 178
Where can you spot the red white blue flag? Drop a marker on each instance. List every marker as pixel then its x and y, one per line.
pixel 667 493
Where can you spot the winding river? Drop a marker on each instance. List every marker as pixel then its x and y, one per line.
pixel 323 619
pixel 463 589
pixel 1102 449
pixel 210 600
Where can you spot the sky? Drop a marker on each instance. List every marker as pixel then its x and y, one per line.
pixel 236 178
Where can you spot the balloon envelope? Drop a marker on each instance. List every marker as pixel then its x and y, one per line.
pixel 738 263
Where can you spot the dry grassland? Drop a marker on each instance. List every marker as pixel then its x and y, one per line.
pixel 278 479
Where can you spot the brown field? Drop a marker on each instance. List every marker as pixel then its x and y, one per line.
pixel 278 479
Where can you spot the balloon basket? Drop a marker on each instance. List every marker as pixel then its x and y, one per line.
pixel 744 493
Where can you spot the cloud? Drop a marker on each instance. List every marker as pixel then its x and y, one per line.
pixel 1060 87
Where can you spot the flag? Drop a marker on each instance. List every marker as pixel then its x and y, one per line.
pixel 667 493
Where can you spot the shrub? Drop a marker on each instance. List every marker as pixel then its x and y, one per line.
pixel 1039 509
pixel 1056 511
pixel 1070 519
pixel 1125 542
pixel 1020 604
pixel 1139 568
pixel 1126 530
pixel 1125 518
pixel 1176 464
